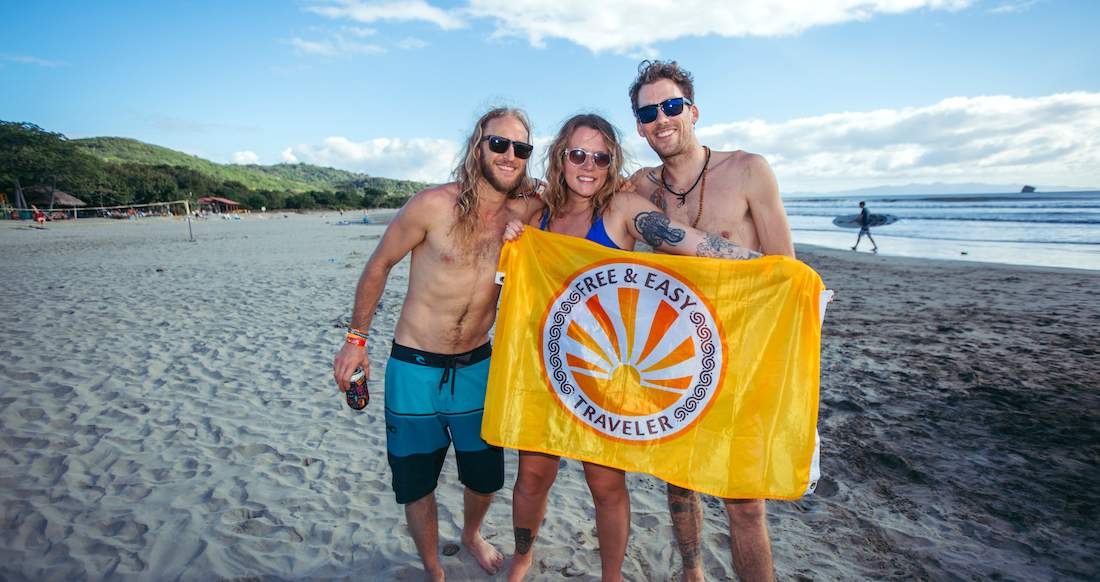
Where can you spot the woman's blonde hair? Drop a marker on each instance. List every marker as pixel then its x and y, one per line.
pixel 468 172
pixel 557 192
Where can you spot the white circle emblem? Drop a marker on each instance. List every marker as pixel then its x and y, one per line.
pixel 631 351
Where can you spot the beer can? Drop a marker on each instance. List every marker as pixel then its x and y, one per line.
pixel 357 393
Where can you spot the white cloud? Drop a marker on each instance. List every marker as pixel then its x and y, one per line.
pixel 312 47
pixel 1052 139
pixel 995 139
pixel 337 45
pixel 367 12
pixel 245 157
pixel 1010 6
pixel 358 31
pixel 630 26
pixel 428 160
pixel 411 43
pixel 633 27
pixel 29 60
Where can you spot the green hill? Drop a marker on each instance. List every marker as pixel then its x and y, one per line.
pixel 285 177
pixel 315 176
pixel 118 171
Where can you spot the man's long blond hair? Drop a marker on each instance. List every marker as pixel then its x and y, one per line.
pixel 557 192
pixel 468 172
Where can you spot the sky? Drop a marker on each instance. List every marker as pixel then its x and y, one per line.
pixel 836 94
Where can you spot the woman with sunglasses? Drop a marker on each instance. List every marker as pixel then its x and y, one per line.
pixel 584 175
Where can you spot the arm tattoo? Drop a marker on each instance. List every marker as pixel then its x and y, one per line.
pixel 717 247
pixel 657 198
pixel 655 229
pixel 524 539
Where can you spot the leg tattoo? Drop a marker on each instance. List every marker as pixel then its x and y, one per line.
pixel 687 518
pixel 655 229
pixel 524 539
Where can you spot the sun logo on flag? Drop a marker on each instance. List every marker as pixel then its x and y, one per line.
pixel 631 350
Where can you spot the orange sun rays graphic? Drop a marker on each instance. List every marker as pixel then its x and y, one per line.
pixel 631 359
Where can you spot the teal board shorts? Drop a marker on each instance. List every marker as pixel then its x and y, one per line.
pixel 433 400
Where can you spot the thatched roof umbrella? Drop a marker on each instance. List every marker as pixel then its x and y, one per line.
pixel 53 196
pixel 62 199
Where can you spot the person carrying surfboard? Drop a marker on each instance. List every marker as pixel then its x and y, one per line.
pixel 865 227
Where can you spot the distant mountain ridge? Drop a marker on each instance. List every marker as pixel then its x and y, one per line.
pixel 935 188
pixel 298 177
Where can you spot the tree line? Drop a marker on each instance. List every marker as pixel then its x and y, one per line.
pixel 32 156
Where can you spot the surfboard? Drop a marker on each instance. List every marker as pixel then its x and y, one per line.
pixel 852 220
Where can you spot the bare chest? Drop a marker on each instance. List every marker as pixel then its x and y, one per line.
pixel 477 252
pixel 720 208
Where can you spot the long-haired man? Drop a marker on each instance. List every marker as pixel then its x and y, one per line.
pixel 439 361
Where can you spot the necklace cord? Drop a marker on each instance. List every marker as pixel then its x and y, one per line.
pixel 681 197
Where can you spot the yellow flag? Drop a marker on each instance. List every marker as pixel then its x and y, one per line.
pixel 703 372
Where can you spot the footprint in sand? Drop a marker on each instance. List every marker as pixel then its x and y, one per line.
pixel 24 376
pixel 261 524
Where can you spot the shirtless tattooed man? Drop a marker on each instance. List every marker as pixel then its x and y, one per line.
pixel 439 362
pixel 733 196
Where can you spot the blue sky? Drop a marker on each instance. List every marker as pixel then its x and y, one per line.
pixel 836 94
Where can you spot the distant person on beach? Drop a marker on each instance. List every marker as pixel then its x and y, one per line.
pixel 584 199
pixel 439 364
pixel 733 195
pixel 865 227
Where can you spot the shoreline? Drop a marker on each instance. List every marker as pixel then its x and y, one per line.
pixel 382 216
pixel 1068 255
pixel 864 257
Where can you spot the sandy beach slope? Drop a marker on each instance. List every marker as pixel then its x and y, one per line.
pixel 167 412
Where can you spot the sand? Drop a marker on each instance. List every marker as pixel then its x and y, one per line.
pixel 167 412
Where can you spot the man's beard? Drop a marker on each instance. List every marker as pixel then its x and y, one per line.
pixel 494 181
pixel 671 150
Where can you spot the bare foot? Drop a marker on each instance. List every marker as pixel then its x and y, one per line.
pixel 693 575
pixel 521 563
pixel 487 556
pixel 434 575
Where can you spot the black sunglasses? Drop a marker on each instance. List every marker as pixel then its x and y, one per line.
pixel 671 107
pixel 499 145
pixel 578 156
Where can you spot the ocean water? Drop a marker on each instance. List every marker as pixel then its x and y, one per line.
pixel 1054 229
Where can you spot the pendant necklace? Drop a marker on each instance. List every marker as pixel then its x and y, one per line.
pixel 681 197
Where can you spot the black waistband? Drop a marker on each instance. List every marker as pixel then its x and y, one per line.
pixel 422 358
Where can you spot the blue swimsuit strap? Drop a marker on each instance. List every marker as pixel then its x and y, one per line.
pixel 597 233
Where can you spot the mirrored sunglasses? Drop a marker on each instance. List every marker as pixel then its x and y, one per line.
pixel 671 108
